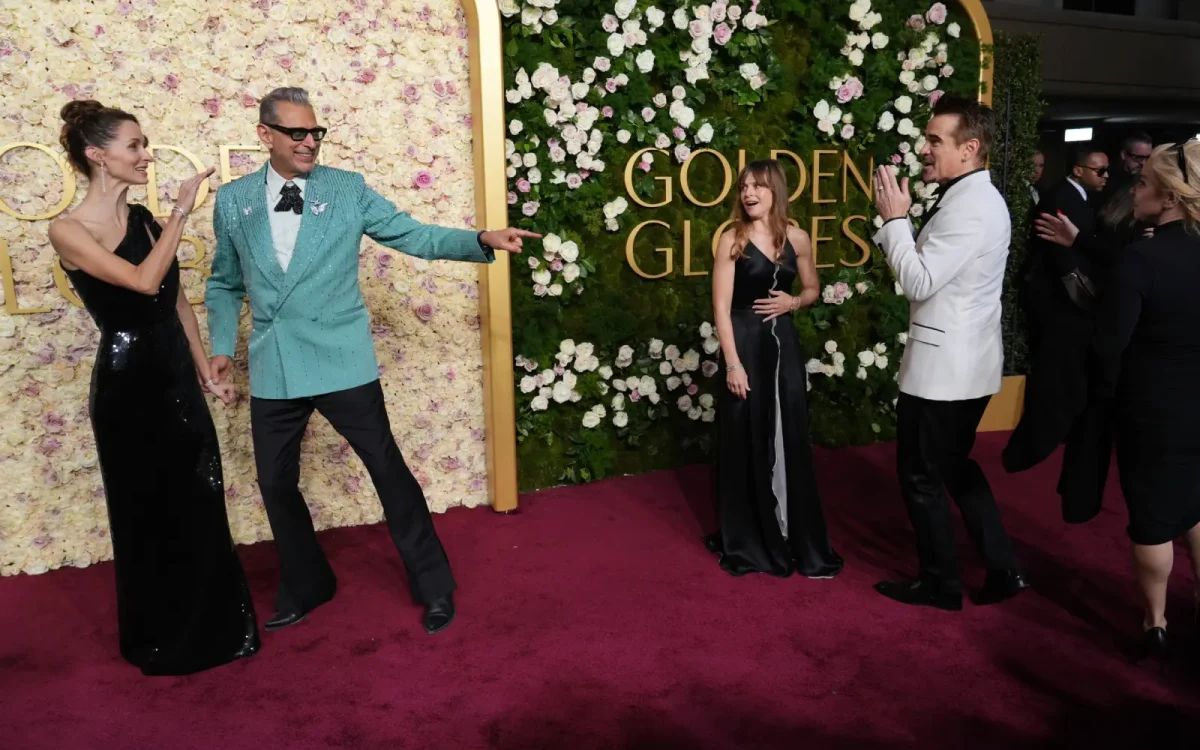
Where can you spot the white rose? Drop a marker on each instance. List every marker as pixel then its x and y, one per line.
pixel 616 45
pixel 886 121
pixel 555 290
pixel 902 338
pixel 706 400
pixel 645 61
pixel 684 403
pixel 907 77
pixel 591 419
pixel 620 419
pixel 623 136
pixel 830 346
pixel 540 403
pixel 528 384
pixel 680 18
pixel 929 83
pixel 904 105
pixel 954 30
pixel 570 272
pixel 879 40
pixel 624 7
pixel 541 277
pixel 561 392
pixel 866 358
pixel 856 57
pixel 655 17
pixel 861 374
pixel 705 133
pixel 881 362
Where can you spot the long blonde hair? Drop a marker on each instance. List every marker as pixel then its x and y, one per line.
pixel 768 173
pixel 1163 167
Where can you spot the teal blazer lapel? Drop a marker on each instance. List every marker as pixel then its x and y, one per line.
pixel 313 227
pixel 256 224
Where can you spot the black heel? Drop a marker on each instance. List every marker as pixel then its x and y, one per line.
pixel 1155 644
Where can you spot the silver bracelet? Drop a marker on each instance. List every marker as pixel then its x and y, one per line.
pixel 732 368
pixel 209 384
pixel 180 211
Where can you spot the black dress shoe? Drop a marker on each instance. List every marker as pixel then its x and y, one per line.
pixel 439 613
pixel 283 619
pixel 920 594
pixel 1155 644
pixel 1001 585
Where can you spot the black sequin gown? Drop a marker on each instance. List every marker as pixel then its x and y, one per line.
pixel 768 503
pixel 182 600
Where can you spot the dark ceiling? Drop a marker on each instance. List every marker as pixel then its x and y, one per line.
pixel 1120 112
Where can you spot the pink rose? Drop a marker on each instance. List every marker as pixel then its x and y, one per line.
pixel 607 112
pixel 634 395
pixel 539 290
pixel 425 311
pixel 841 290
pixel 523 185
pixel 611 85
pixel 439 89
pixel 212 107
pixel 610 23
pixel 124 8
pixel 423 180
pixel 556 266
pixel 722 34
pixel 249 101
pixel 171 81
pixel 559 369
pixel 52 422
pixel 679 133
pixel 937 14
pixel 530 208
pixel 367 76
pixel 693 389
pixel 896 159
pixel 512 198
pixel 644 166
pixel 411 93
pixel 934 97
pixel 916 23
pixel 844 94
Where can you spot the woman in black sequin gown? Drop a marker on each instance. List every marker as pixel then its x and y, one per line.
pixel 182 600
pixel 768 502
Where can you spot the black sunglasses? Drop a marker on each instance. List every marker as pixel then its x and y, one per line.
pixel 1181 154
pixel 299 134
pixel 1100 171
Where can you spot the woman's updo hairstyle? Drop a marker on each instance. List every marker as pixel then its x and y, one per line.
pixel 89 123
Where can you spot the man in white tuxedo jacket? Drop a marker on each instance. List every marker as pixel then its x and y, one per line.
pixel 952 272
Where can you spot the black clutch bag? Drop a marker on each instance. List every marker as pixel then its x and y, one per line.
pixel 1080 289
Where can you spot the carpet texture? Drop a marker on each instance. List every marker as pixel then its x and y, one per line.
pixel 595 618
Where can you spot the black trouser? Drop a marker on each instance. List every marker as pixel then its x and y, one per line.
pixel 934 441
pixel 358 415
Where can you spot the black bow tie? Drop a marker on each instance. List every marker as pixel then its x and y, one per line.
pixel 291 200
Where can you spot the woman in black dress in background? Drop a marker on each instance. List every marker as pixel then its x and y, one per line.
pixel 1148 342
pixel 182 600
pixel 769 507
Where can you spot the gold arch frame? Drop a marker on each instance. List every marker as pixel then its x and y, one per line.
pixel 491 210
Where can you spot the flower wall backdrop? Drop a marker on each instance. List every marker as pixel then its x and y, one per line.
pixel 617 373
pixel 390 80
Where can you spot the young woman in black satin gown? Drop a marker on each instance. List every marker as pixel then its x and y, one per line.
pixel 768 503
pixel 182 600
pixel 1148 342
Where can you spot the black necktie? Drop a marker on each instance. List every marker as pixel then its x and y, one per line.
pixel 291 200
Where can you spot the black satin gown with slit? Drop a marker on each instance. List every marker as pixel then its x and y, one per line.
pixel 182 600
pixel 769 507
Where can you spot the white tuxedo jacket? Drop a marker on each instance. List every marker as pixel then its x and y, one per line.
pixel 953 276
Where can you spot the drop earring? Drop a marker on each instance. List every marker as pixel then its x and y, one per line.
pixel 103 180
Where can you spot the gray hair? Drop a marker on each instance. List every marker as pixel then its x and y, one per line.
pixel 292 95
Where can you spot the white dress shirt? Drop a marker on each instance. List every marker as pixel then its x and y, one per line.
pixel 285 225
pixel 1082 192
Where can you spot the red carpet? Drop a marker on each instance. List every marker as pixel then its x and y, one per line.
pixel 595 618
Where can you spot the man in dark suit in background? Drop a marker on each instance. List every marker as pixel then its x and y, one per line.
pixel 1056 298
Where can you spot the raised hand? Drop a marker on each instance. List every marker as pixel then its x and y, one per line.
pixel 509 240
pixel 190 188
pixel 1057 229
pixel 892 200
